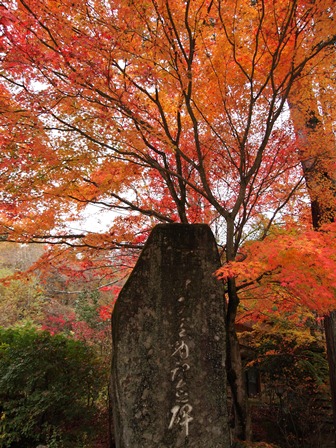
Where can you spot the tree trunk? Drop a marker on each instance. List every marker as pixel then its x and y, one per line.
pixel 330 331
pixel 321 185
pixel 235 371
pixel 323 211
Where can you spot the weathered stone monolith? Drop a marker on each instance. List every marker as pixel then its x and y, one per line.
pixel 168 368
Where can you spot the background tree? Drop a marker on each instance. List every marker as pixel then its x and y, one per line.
pixel 29 297
pixel 49 389
pixel 21 300
pixel 314 123
pixel 293 369
pixel 169 111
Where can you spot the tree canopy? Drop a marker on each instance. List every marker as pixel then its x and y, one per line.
pixel 169 110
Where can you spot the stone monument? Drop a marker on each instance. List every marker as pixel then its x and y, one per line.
pixel 168 366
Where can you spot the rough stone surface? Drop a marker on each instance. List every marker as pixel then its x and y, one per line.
pixel 168 368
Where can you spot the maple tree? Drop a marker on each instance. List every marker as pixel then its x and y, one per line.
pixel 168 111
pixel 75 301
pixel 289 275
pixel 287 281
